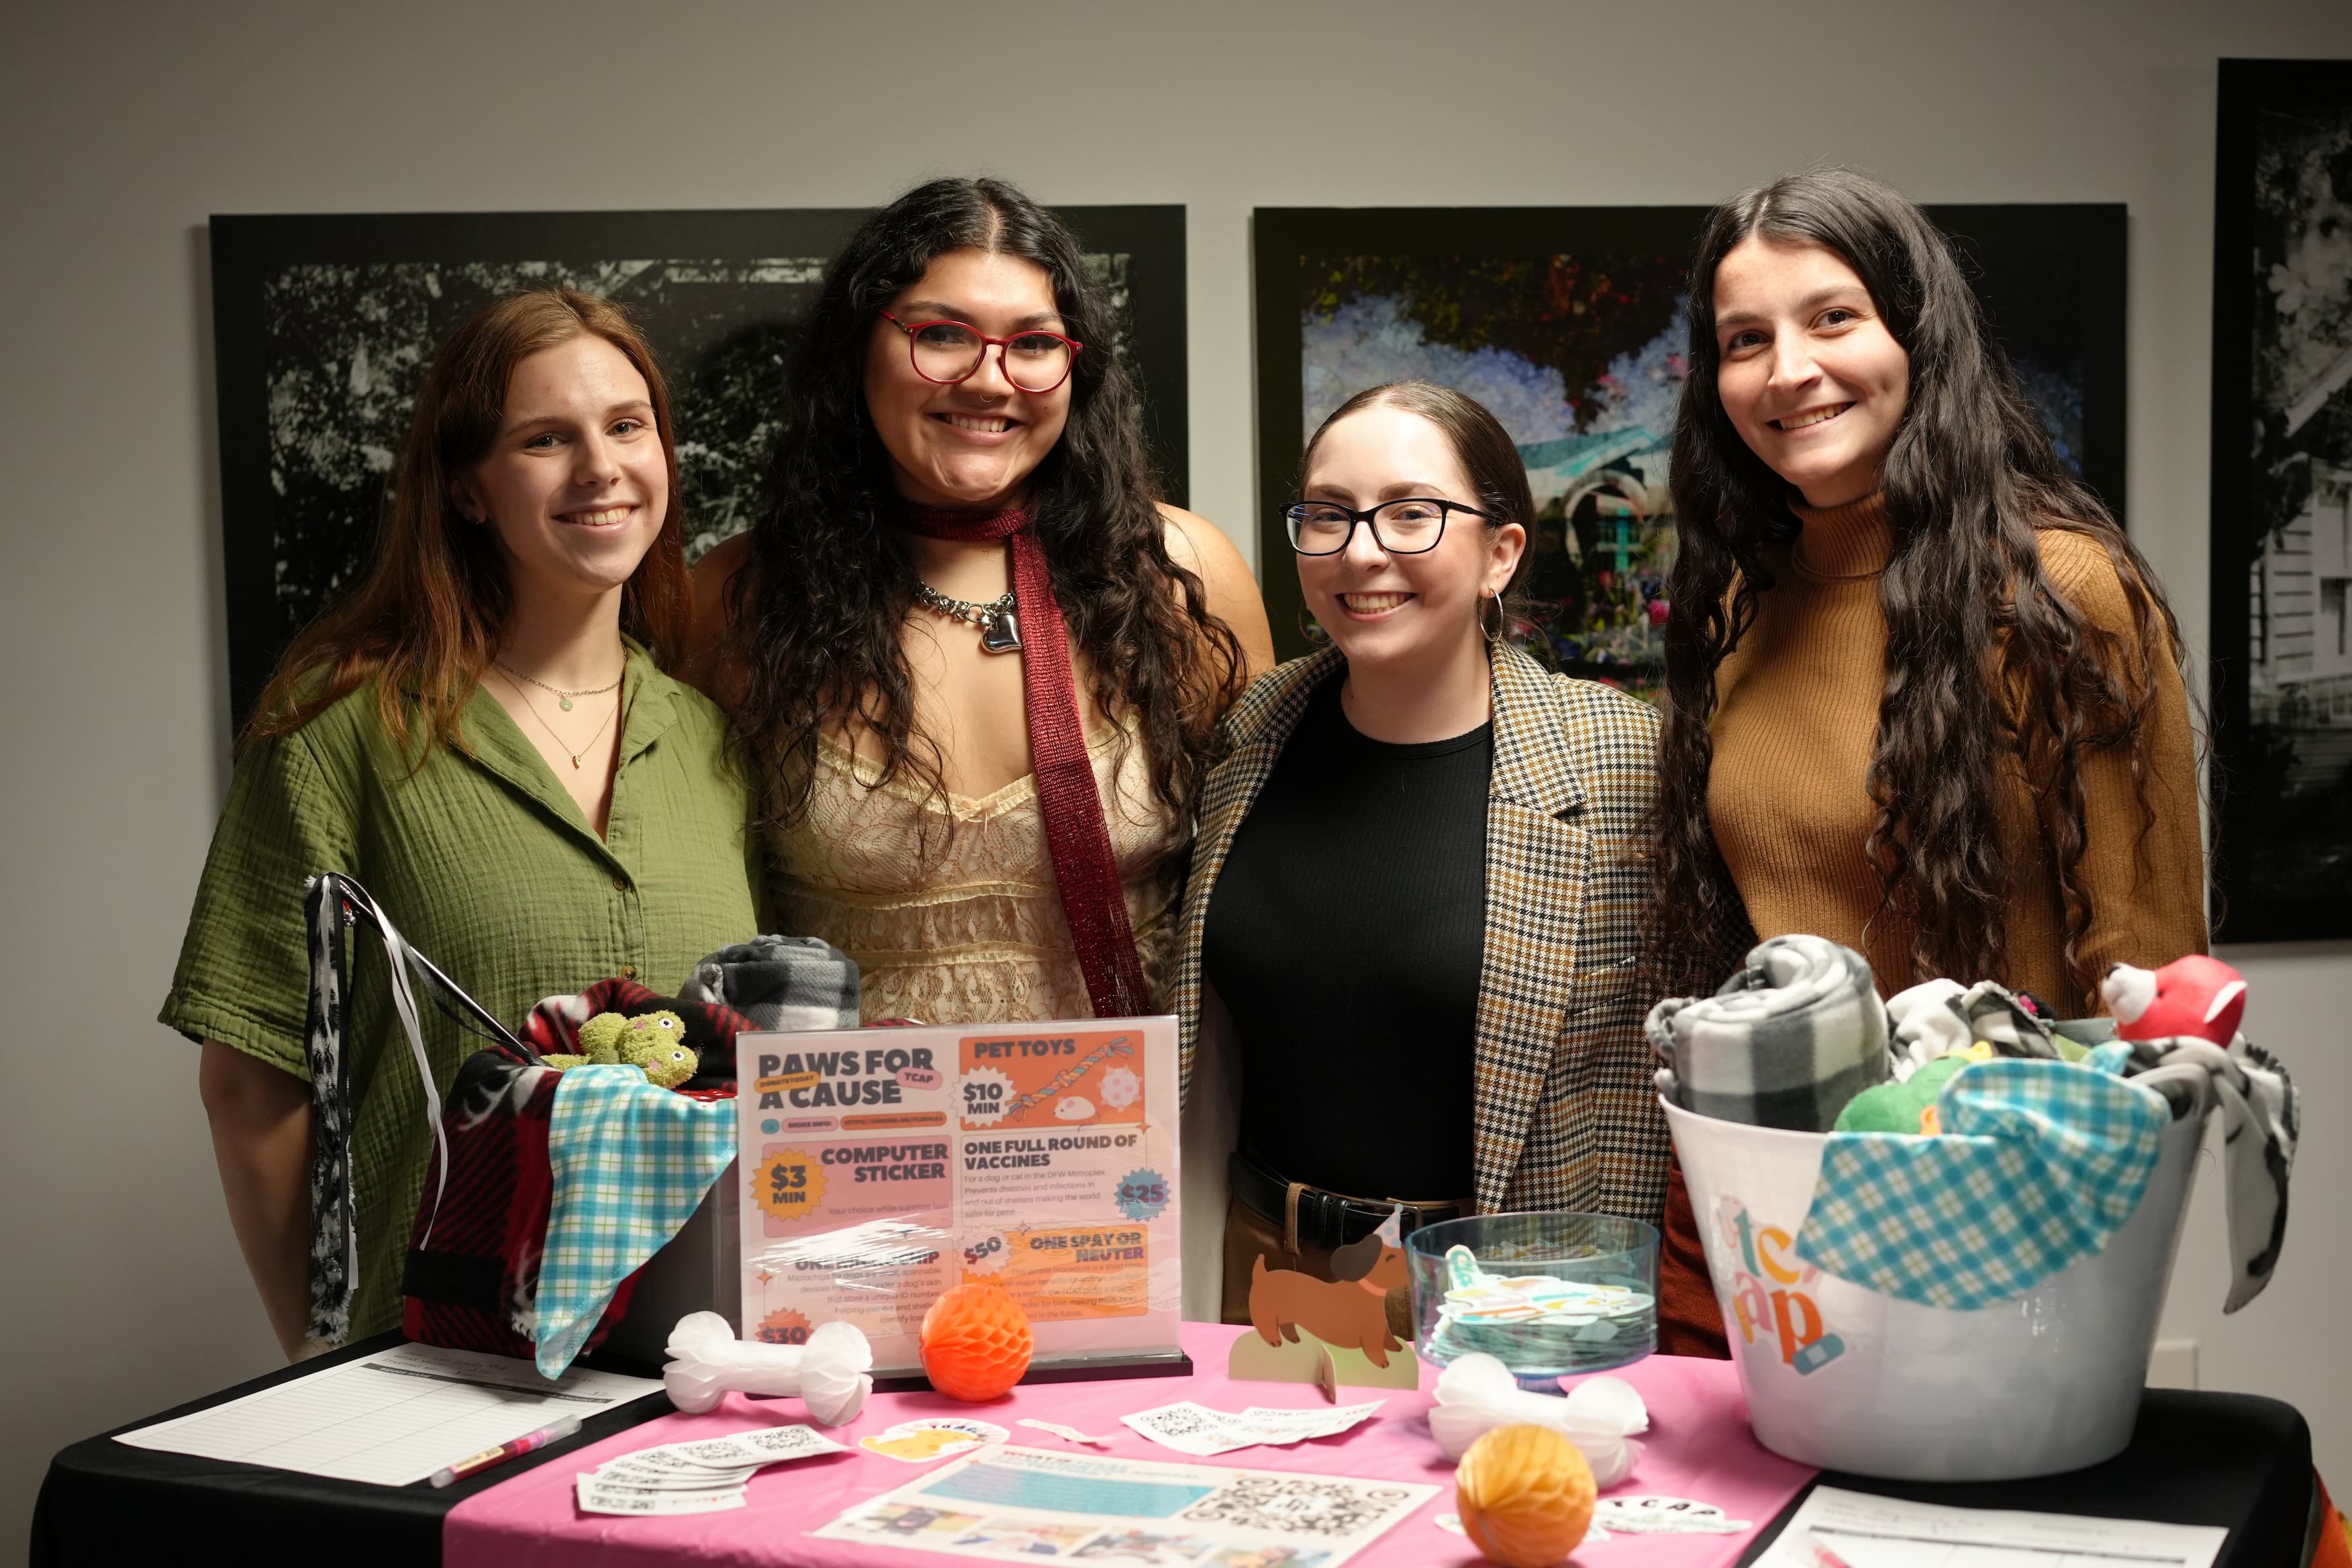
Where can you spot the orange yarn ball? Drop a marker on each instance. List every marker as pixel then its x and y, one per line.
pixel 1525 1495
pixel 976 1343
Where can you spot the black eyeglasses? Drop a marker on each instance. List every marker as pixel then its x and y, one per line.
pixel 951 352
pixel 1406 527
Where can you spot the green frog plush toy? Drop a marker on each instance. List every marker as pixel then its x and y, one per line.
pixel 653 1041
pixel 1908 1106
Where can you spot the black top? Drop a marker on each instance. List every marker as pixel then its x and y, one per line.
pixel 1345 936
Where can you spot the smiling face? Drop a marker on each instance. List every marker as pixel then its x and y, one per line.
pixel 1810 377
pixel 976 443
pixel 576 482
pixel 1398 611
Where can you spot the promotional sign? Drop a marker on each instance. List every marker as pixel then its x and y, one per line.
pixel 883 1166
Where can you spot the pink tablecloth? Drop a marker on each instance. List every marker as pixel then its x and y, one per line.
pixel 1698 1447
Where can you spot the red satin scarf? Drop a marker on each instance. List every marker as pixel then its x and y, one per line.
pixel 1076 836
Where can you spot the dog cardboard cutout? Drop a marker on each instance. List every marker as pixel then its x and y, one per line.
pixel 1346 1312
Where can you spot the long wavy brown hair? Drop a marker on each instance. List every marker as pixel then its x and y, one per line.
pixel 1983 653
pixel 430 614
pixel 815 615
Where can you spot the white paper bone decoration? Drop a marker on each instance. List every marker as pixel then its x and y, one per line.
pixel 1477 1393
pixel 828 1373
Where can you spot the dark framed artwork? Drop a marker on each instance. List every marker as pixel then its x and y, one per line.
pixel 323 327
pixel 2282 521
pixel 1568 324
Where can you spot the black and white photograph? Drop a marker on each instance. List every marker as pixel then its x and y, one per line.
pixel 2282 499
pixel 324 325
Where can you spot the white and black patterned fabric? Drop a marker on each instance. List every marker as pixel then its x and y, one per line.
pixel 1785 1043
pixel 779 983
pixel 1937 1018
pixel 2262 1117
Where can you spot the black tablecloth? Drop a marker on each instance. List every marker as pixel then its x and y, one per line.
pixel 105 1502
pixel 2231 1459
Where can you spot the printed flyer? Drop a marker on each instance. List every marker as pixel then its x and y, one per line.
pixel 1017 1505
pixel 882 1166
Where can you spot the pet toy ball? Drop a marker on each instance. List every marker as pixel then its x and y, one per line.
pixel 976 1343
pixel 1526 1496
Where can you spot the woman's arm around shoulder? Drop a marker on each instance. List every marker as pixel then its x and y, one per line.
pixel 710 663
pixel 1202 548
pixel 2147 895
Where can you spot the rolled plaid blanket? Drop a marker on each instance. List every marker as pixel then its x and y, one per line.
pixel 779 983
pixel 1785 1042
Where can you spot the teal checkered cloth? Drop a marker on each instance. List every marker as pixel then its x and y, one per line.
pixel 2039 1164
pixel 631 1161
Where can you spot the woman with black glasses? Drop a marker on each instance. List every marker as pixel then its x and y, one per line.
pixel 1406 971
pixel 973 664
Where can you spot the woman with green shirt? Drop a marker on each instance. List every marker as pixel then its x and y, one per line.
pixel 481 735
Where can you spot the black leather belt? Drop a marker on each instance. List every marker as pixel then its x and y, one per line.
pixel 1326 1220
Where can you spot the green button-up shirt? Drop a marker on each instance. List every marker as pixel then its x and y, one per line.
pixel 490 869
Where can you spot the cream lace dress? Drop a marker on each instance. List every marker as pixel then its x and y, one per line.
pixel 948 903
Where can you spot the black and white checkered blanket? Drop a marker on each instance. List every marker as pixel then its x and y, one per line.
pixel 1785 1042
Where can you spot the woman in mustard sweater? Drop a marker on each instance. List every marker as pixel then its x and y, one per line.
pixel 1925 696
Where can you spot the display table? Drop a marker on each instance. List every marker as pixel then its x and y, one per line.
pixel 2206 1458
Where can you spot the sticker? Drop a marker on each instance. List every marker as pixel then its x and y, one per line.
pixel 917 1078
pixel 932 1437
pixel 1142 1195
pixel 788 1184
pixel 1067 1434
pixel 1664 1516
pixel 985 1092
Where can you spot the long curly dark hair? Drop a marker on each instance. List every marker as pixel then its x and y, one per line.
pixel 815 615
pixel 1983 653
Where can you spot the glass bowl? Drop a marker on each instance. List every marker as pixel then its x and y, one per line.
pixel 1551 1294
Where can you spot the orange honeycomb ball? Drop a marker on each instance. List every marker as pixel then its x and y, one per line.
pixel 1525 1494
pixel 976 1343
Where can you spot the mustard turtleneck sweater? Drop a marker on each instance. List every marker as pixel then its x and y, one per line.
pixel 1797 718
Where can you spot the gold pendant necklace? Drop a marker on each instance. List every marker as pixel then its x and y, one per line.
pixel 562 697
pixel 561 744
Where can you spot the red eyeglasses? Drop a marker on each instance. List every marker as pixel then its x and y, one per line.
pixel 950 353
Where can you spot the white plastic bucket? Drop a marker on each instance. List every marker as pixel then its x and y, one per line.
pixel 1839 1377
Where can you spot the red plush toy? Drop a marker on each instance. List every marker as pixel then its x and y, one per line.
pixel 2196 996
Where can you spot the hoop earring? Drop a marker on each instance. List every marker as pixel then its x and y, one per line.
pixel 1497 634
pixel 1312 629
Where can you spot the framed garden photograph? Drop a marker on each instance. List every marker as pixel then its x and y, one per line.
pixel 1568 324
pixel 323 327
pixel 2282 520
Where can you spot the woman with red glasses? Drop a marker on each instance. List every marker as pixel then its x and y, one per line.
pixel 974 665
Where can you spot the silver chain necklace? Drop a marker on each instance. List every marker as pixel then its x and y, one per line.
pixel 1000 631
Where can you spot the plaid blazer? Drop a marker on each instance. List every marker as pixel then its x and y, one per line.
pixel 1567 1111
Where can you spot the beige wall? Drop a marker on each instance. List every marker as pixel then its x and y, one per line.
pixel 122 126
